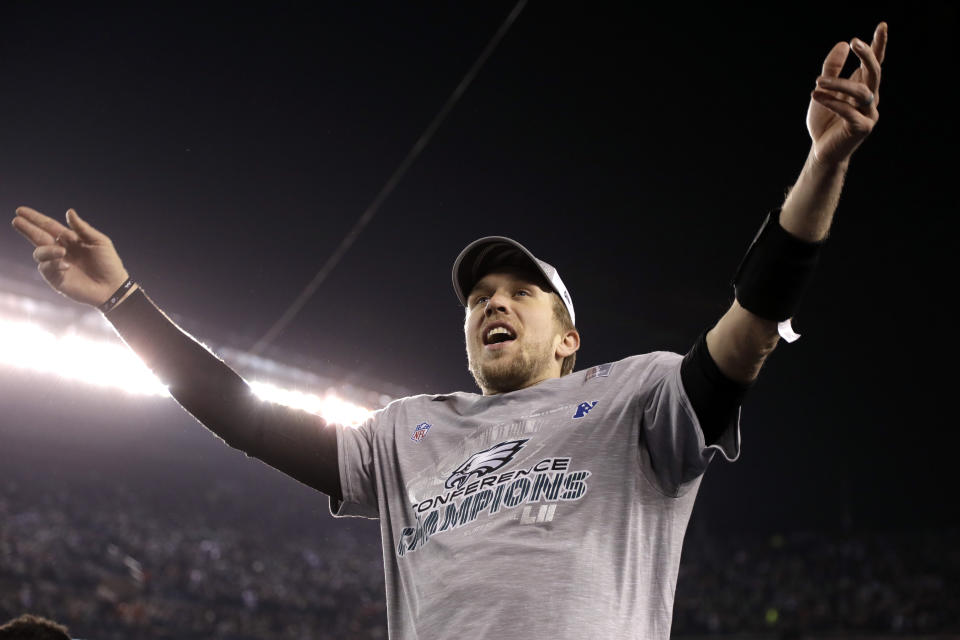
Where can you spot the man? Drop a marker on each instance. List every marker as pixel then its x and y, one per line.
pixel 553 505
pixel 31 627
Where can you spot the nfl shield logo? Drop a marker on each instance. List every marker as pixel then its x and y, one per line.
pixel 602 370
pixel 420 431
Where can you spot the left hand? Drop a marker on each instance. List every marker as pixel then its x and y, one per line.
pixel 843 111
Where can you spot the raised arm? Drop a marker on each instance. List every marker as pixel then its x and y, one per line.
pixel 81 263
pixel 842 113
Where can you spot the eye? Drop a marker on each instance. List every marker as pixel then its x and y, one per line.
pixel 478 300
pixel 523 292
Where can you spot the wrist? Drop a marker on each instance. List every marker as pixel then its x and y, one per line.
pixel 126 295
pixel 808 209
pixel 124 290
pixel 825 168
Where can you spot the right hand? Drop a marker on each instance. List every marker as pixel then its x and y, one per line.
pixel 77 261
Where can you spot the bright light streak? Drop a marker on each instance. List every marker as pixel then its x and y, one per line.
pixel 28 346
pixel 24 345
pixel 329 406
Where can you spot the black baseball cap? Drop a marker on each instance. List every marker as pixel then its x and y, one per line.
pixel 482 256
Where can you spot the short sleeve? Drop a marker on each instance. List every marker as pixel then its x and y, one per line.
pixel 358 470
pixel 673 450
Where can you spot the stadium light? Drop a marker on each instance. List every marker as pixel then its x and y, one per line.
pixel 72 355
pixel 331 407
pixel 26 345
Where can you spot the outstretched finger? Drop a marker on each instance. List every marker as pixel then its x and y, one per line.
pixel 833 63
pixel 879 44
pixel 37 236
pixel 47 224
pixel 85 230
pixel 869 66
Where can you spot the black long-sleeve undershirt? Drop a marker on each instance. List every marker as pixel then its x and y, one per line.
pixel 298 443
pixel 301 444
pixel 715 397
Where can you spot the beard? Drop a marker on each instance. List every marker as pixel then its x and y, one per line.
pixel 509 372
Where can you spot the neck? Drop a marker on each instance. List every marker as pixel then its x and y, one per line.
pixel 529 383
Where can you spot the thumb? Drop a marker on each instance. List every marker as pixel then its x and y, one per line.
pixel 83 228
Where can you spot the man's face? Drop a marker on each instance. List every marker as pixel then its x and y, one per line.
pixel 511 332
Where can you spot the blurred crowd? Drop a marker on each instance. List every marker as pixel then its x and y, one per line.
pixel 858 582
pixel 113 561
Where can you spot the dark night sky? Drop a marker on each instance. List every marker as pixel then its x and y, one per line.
pixel 227 152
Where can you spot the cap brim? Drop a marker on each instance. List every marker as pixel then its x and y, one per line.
pixel 483 256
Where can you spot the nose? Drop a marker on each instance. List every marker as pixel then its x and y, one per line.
pixel 497 303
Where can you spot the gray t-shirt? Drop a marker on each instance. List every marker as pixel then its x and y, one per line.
pixel 553 512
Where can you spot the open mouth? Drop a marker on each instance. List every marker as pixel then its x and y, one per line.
pixel 498 334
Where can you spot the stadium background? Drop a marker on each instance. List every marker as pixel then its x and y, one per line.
pixel 228 150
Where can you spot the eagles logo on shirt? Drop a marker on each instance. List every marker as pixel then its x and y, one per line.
pixel 484 462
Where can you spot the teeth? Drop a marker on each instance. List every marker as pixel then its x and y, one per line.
pixel 495 331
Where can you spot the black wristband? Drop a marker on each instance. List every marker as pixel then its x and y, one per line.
pixel 115 298
pixel 775 271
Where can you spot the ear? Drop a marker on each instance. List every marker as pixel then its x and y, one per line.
pixel 569 344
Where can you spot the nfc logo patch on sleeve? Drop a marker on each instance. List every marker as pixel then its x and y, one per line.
pixel 601 371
